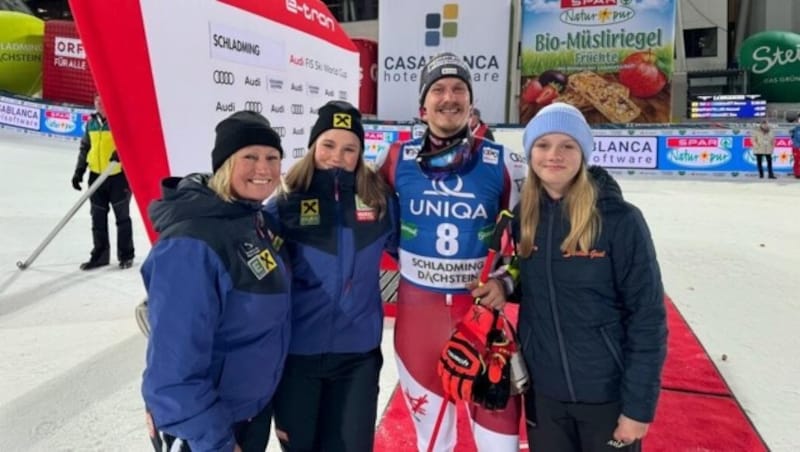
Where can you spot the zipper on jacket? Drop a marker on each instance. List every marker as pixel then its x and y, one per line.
pixel 611 349
pixel 554 309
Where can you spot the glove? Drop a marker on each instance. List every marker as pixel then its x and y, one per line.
pixel 461 360
pixel 492 389
pixel 475 363
pixel 76 182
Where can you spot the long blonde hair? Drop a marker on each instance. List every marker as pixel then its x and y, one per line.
pixel 220 181
pixel 370 186
pixel 580 204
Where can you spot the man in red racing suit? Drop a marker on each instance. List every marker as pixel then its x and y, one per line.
pixel 451 186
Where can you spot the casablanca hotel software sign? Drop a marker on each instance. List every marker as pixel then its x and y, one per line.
pixel 414 31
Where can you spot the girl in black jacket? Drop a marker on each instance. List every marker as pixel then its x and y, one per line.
pixel 592 321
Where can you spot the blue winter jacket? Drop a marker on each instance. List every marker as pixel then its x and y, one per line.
pixel 593 325
pixel 335 243
pixel 794 133
pixel 219 311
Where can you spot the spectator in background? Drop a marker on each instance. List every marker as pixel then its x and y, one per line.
pixel 795 134
pixel 478 127
pixel 218 297
pixel 97 150
pixel 763 137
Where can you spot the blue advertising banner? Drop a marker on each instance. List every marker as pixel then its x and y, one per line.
pixel 718 153
pixel 43 119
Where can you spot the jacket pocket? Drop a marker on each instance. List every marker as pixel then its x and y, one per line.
pixel 612 344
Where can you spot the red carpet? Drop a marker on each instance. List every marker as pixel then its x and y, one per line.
pixel 696 411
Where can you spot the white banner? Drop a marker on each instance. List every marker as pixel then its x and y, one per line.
pixel 225 59
pixel 19 116
pixel 414 31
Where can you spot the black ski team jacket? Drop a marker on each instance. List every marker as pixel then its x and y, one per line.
pixel 593 325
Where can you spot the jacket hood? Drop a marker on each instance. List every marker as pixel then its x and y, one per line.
pixel 189 198
pixel 608 190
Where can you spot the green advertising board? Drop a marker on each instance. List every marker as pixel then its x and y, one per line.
pixel 773 59
pixel 612 59
pixel 21 37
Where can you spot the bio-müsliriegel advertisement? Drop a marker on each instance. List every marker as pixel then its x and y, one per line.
pixel 612 59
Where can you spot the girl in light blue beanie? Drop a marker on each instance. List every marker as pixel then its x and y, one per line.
pixel 559 118
pixel 591 313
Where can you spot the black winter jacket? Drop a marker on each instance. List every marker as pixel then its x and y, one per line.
pixel 593 326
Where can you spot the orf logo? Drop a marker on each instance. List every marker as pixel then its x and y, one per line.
pixel 223 78
pixel 254 105
pixel 297 109
pixel 442 25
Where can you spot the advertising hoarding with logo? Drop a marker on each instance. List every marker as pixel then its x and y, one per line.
pixel 282 58
pixel 719 153
pixel 65 70
pixel 773 58
pixel 43 119
pixel 610 58
pixel 21 38
pixel 414 31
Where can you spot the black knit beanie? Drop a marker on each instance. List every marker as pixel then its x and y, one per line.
pixel 241 129
pixel 441 66
pixel 338 114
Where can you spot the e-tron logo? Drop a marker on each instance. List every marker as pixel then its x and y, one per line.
pixel 442 25
pixel 440 188
pixel 280 130
pixel 254 105
pixel 325 21
pixel 297 109
pixel 223 78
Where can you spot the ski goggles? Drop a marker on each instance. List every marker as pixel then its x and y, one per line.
pixel 452 159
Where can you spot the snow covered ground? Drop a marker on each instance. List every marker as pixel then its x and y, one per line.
pixel 72 355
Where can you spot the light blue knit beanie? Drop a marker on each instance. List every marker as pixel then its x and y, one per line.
pixel 559 118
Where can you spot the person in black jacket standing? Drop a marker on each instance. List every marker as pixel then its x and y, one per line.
pixel 97 151
pixel 337 217
pixel 592 320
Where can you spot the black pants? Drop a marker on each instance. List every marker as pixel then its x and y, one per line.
pixel 327 403
pixel 759 160
pixel 114 193
pixel 251 435
pixel 574 427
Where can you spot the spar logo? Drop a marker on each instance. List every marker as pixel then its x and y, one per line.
pixel 699 152
pixel 59 121
pixel 584 3
pixel 607 12
pixel 441 25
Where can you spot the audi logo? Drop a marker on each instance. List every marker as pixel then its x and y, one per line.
pixel 224 78
pixel 254 105
pixel 297 109
pixel 280 130
pixel 298 153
